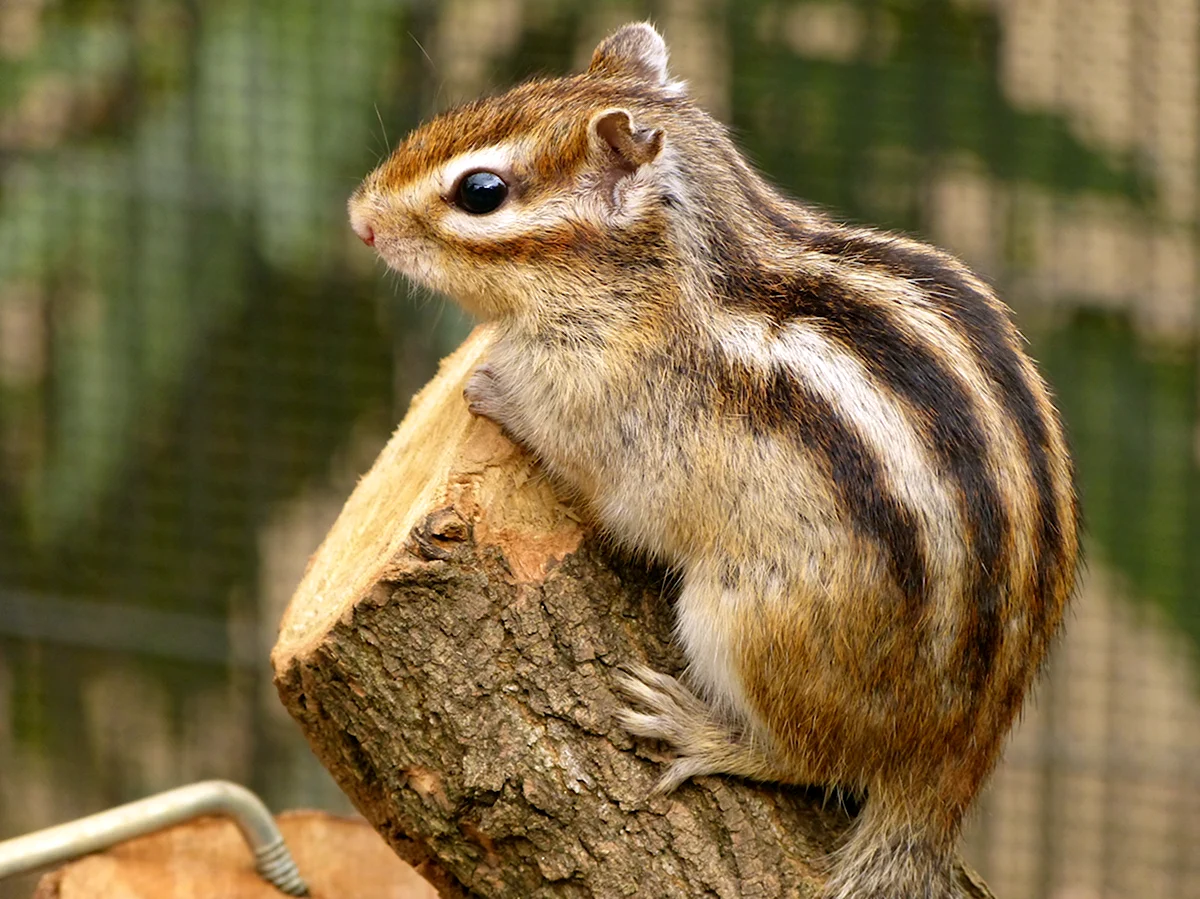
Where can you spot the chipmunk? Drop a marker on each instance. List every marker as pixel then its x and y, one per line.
pixel 833 434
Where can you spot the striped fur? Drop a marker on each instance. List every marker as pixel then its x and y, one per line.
pixel 832 433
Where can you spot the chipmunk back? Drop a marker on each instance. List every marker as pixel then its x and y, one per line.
pixel 833 434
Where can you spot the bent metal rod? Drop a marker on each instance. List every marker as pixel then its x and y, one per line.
pixel 213 797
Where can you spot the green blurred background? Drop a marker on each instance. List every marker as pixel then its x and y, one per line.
pixel 197 357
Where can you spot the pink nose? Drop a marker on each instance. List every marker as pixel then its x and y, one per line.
pixel 365 233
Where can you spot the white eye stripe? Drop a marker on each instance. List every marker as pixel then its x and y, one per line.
pixel 509 220
pixel 441 181
pixel 497 158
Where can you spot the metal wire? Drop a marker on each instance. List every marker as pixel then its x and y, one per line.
pixel 214 797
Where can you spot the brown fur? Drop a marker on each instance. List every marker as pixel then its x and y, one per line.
pixel 832 433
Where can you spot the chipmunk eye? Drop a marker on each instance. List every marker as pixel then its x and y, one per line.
pixel 481 192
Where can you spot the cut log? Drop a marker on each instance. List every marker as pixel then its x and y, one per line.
pixel 208 859
pixel 450 656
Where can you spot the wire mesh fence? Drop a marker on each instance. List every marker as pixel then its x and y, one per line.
pixel 197 358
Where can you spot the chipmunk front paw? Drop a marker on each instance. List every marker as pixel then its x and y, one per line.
pixel 483 394
pixel 486 397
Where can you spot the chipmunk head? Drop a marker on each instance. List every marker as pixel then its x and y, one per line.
pixel 547 190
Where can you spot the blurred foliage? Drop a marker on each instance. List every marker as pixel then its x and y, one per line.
pixel 198 336
pixel 864 137
pixel 1132 410
pixel 206 349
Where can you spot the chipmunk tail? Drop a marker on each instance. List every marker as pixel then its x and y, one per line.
pixel 892 856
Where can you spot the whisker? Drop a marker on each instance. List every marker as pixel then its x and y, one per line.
pixel 387 145
pixel 422 49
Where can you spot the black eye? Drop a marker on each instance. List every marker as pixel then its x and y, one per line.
pixel 481 192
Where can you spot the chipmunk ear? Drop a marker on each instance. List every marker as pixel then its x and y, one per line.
pixel 632 147
pixel 633 51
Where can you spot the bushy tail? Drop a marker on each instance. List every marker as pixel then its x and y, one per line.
pixel 890 856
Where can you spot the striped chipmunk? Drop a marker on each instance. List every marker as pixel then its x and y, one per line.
pixel 832 434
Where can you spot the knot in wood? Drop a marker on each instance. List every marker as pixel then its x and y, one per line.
pixel 441 536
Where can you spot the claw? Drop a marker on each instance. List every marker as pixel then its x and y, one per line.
pixel 637 690
pixel 658 692
pixel 679 772
pixel 652 727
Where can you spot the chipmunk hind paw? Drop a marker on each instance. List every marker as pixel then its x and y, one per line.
pixel 703 742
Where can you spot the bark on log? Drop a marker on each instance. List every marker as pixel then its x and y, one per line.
pixel 450 655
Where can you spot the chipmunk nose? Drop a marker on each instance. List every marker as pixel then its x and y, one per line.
pixel 360 222
pixel 365 232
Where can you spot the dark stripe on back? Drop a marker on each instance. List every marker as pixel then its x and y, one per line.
pixel 776 402
pixel 988 331
pixel 912 372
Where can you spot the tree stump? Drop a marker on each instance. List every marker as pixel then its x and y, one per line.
pixel 450 656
